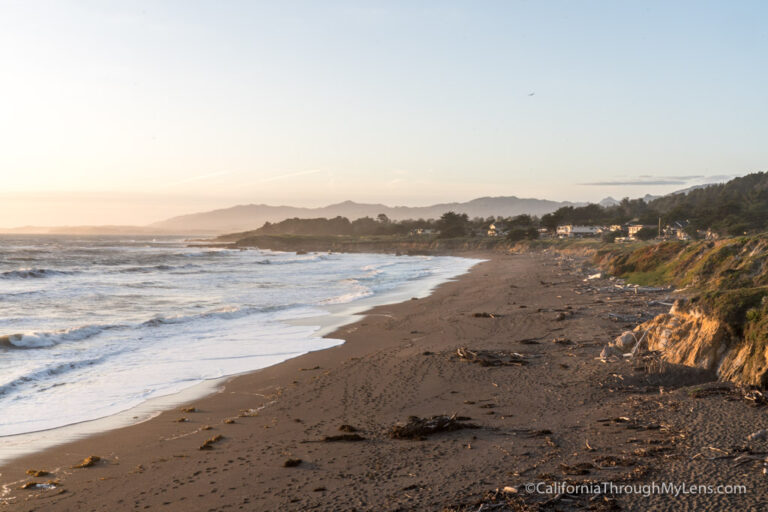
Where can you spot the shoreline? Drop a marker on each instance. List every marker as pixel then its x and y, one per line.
pixel 332 319
pixel 275 439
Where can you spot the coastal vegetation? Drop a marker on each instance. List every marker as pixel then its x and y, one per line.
pixel 725 285
pixel 737 207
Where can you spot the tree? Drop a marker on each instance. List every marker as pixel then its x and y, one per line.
pixel 521 221
pixel 453 225
pixel 517 234
pixel 646 233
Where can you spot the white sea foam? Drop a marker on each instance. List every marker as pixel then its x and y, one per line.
pixel 138 319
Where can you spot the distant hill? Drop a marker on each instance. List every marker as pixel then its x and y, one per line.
pixel 247 217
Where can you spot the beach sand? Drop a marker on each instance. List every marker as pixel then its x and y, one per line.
pixel 561 414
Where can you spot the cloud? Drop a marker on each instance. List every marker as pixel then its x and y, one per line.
pixel 630 183
pixel 651 180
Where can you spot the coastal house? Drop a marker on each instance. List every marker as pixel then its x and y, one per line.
pixel 422 232
pixel 676 231
pixel 496 229
pixel 570 231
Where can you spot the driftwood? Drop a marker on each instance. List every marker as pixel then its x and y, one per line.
pixel 420 428
pixel 756 397
pixel 343 437
pixel 88 462
pixel 625 318
pixel 488 358
pixel 487 315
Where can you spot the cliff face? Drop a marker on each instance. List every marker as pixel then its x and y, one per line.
pixel 689 335
pixel 723 326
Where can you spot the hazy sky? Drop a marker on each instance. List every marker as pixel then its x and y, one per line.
pixel 130 112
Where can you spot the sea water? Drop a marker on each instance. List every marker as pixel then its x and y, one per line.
pixel 91 326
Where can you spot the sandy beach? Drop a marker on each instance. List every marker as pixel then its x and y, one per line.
pixel 315 432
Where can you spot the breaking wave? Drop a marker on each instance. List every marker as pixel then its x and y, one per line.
pixel 34 273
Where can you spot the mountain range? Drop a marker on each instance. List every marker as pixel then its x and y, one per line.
pixel 252 216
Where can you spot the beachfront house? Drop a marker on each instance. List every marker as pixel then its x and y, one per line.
pixel 571 231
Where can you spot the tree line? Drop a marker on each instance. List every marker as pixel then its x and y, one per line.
pixel 733 208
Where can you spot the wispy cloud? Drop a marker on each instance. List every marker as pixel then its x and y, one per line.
pixel 651 180
pixel 629 183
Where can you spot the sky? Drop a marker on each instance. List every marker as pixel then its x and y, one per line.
pixel 131 112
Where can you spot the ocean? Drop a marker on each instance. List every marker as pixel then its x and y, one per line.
pixel 92 326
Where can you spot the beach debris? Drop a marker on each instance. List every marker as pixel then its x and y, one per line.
pixel 420 428
pixel 625 341
pixel 38 472
pixel 229 421
pixel 309 369
pixel 610 461
pixel 760 435
pixel 652 451
pixel 208 444
pixel 292 463
pixel 347 428
pixel 562 340
pixel 529 341
pixel 756 397
pixel 530 432
pixel 487 315
pixel 343 437
pixel 625 318
pixel 50 484
pixel 182 420
pixel 206 427
pixel 87 462
pixel 610 352
pixel 703 392
pixel 582 468
pixel 488 358
pixel 189 409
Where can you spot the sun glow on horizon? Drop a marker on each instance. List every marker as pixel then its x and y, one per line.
pixel 132 113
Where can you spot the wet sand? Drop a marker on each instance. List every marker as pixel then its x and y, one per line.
pixel 554 413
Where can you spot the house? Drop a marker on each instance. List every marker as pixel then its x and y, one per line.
pixel 496 229
pixel 570 231
pixel 676 231
pixel 422 232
